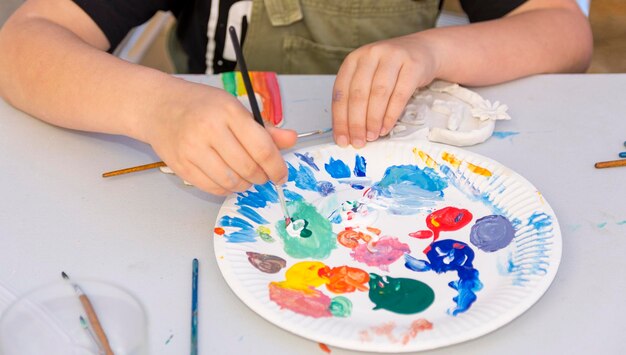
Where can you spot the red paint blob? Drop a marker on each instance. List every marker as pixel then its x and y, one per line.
pixel 423 234
pixel 219 231
pixel 447 219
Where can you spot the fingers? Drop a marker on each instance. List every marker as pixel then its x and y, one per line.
pixel 383 86
pixel 363 91
pixel 283 138
pixel 404 88
pixel 341 133
pixel 206 180
pixel 260 147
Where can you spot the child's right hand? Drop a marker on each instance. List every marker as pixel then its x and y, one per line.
pixel 212 141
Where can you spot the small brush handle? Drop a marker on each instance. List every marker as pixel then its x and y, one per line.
pixel 95 324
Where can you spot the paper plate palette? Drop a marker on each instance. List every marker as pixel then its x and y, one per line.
pixel 396 247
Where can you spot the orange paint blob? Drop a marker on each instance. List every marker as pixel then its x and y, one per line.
pixel 478 170
pixel 345 279
pixel 450 158
pixel 219 231
pixel 324 348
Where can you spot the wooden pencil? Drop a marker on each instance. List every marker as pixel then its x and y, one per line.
pixel 610 164
pixel 133 169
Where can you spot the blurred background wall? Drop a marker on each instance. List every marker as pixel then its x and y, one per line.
pixel 608 20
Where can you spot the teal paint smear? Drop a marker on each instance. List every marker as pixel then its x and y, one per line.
pixel 400 295
pixel 340 307
pixel 601 225
pixel 322 239
pixel 229 83
pixel 621 223
pixel 504 134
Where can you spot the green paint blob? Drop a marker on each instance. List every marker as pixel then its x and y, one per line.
pixel 264 233
pixel 340 307
pixel 318 244
pixel 404 296
pixel 228 83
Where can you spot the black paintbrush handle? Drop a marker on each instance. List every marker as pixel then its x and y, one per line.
pixel 243 68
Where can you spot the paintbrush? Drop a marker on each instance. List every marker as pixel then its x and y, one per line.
pixel 91 316
pixel 160 164
pixel 243 68
pixel 194 307
pixel 610 164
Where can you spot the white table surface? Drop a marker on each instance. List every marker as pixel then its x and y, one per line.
pixel 142 230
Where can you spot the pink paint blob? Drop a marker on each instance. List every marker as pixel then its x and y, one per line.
pixel 386 251
pixel 311 303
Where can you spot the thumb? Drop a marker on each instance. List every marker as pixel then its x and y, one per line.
pixel 283 138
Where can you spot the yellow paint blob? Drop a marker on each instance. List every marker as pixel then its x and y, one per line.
pixel 430 162
pixel 304 276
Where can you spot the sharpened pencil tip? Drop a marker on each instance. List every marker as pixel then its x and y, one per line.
pixel 65 275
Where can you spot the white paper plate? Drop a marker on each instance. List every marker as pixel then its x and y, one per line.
pixel 403 184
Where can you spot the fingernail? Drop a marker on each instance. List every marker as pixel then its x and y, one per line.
pixel 342 141
pixel 283 180
pixel 358 143
pixel 371 136
pixel 384 131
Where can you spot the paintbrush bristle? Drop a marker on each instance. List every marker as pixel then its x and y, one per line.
pixel 65 275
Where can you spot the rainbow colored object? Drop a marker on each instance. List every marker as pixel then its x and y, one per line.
pixel 265 84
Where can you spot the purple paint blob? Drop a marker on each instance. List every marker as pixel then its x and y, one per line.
pixel 492 233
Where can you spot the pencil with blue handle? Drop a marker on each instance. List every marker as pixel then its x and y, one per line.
pixel 194 308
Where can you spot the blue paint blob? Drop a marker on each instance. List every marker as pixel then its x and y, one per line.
pixel 451 255
pixel 360 166
pixel 492 233
pixel 246 232
pixel 540 220
pixel 337 168
pixel 357 186
pixel 263 195
pixel 504 134
pixel 407 189
pixel 622 155
pixel 325 188
pixel 303 177
pixel 252 215
pixel 307 158
pixel 292 196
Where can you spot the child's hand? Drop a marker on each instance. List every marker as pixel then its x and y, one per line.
pixel 374 85
pixel 212 141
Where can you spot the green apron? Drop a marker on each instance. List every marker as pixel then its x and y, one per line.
pixel 314 36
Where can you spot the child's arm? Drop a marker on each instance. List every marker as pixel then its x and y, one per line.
pixel 53 66
pixel 375 81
